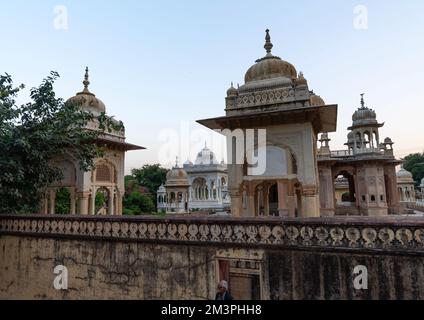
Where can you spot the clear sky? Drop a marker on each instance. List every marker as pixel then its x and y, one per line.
pixel 161 65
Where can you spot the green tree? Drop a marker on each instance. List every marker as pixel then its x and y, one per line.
pixel 150 177
pixel 414 163
pixel 33 134
pixel 137 203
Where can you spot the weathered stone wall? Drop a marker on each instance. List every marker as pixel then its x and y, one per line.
pixel 329 276
pixel 104 270
pixel 176 258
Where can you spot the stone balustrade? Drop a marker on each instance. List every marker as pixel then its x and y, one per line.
pixel 398 235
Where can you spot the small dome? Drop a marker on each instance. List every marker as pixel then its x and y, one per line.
pixel 388 141
pixel 364 115
pixel 161 189
pixel 270 66
pixel 301 81
pixel 87 100
pixel 177 177
pixel 315 100
pixel 232 92
pixel 404 176
pixel 188 163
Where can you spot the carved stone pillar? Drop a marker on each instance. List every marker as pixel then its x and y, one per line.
pixel 266 199
pixel 291 200
pixel 111 203
pixel 73 200
pixel 236 203
pixel 282 199
pixel 83 203
pixel 310 202
pixel 52 196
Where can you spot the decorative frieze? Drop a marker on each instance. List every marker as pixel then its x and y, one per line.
pixel 400 235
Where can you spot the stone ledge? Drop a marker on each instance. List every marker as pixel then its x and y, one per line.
pixel 388 235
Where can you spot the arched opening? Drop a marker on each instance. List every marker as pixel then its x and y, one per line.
pixel 259 201
pixel 63 201
pixel 345 193
pixel 200 189
pixel 375 139
pixel 273 200
pixel 367 140
pixel 102 201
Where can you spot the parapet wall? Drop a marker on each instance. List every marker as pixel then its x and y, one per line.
pixel 177 257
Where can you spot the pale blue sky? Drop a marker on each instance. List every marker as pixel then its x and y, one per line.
pixel 159 64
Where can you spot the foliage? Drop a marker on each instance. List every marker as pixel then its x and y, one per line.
pixel 33 134
pixel 63 201
pixel 151 177
pixel 137 203
pixel 414 163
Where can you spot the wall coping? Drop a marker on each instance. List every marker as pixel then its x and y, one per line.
pixel 383 235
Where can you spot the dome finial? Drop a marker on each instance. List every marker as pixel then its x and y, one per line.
pixel 176 162
pixel 86 82
pixel 268 44
pixel 362 100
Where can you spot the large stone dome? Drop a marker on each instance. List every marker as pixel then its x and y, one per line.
pixel 270 66
pixel 87 100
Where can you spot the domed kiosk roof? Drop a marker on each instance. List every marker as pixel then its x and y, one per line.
pixel 270 66
pixel 177 177
pixel 88 100
pixel 404 176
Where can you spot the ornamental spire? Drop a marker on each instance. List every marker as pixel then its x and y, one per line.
pixel 268 44
pixel 362 100
pixel 86 82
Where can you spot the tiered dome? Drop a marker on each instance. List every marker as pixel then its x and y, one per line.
pixel 270 66
pixel 364 115
pixel 87 100
pixel 206 157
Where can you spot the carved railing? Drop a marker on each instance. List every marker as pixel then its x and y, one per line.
pixel 398 235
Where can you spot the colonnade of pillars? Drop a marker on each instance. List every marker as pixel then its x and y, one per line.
pixel 407 194
pixel 177 201
pixel 83 203
pixel 258 197
pixel 211 190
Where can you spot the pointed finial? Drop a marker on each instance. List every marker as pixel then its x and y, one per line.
pixel 362 100
pixel 268 45
pixel 86 82
pixel 232 85
pixel 238 85
pixel 176 162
